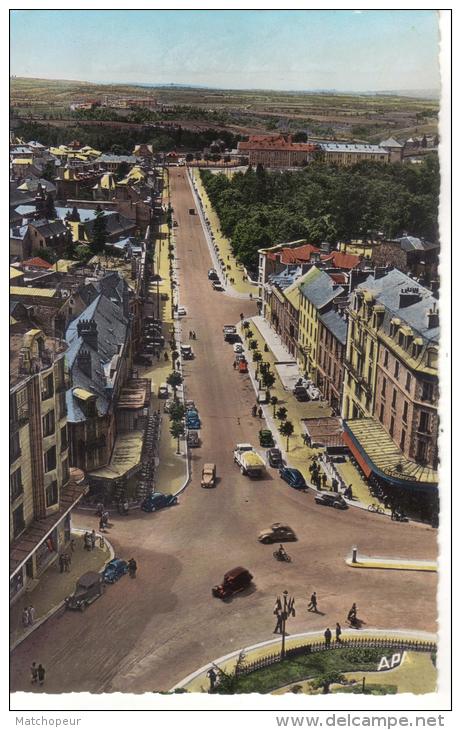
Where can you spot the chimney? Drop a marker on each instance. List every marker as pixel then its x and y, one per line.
pixel 433 317
pixel 409 295
pixel 87 329
pixel 84 362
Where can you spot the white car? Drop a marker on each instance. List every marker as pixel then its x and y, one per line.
pixel 182 312
pixel 238 348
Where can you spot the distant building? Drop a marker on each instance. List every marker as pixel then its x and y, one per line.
pixel 275 151
pixel 410 254
pixel 345 154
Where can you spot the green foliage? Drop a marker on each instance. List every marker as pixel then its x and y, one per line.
pixel 253 344
pixel 282 413
pixel 49 211
pixel 324 203
pixel 274 401
pixel 122 170
pixel 99 237
pixel 177 411
pixel 177 431
pixel 82 252
pixel 49 171
pixel 47 254
pixel 325 680
pixel 174 379
pixel 257 357
pixel 286 429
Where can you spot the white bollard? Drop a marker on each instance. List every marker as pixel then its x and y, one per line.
pixel 354 554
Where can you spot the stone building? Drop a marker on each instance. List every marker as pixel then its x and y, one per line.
pixel 332 337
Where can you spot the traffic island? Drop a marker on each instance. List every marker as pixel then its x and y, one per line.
pixel 382 563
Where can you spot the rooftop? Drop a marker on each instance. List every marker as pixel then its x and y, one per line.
pixel 320 289
pixel 42 351
pixel 374 149
pixel 336 324
pixel 278 142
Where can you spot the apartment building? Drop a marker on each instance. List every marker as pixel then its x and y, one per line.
pixel 332 337
pixel 275 151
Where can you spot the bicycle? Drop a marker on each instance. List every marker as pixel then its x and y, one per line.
pixel 376 508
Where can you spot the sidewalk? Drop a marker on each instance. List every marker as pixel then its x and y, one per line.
pixel 220 247
pixel 48 594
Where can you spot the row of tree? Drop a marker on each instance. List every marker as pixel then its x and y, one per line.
pixel 323 202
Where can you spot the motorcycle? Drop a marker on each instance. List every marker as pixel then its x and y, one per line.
pixel 282 557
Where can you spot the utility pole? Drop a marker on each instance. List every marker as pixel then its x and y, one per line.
pixel 283 610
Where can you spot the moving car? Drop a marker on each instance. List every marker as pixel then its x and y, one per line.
pixel 331 499
pixel 158 500
pixel 293 477
pixel 182 311
pixel 193 440
pixel 234 581
pixel 217 286
pixel 265 437
pixel 88 588
pixel 274 457
pixel 250 462
pixel 187 352
pixel 208 476
pixel 163 391
pixel 238 347
pixel 243 366
pixel 277 532
pixel 114 570
pixel 232 337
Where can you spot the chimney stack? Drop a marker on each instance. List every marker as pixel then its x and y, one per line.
pixel 433 317
pixel 84 362
pixel 87 329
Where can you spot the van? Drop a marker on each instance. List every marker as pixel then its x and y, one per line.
pixel 234 581
pixel 163 391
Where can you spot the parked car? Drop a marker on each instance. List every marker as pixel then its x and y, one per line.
pixel 158 500
pixel 232 337
pixel 314 393
pixel 229 329
pixel 265 438
pixel 190 405
pixel 182 311
pixel 213 275
pixel 88 588
pixel 193 420
pixel 243 366
pixel 163 391
pixel 187 352
pixel 274 457
pixel 193 440
pixel 238 347
pixel 293 477
pixel 240 357
pixel 208 476
pixel 114 570
pixel 301 393
pixel 331 499
pixel 277 532
pixel 217 286
pixel 234 581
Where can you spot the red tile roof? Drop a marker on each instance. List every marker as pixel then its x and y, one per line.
pixel 297 255
pixel 342 260
pixel 275 142
pixel 38 263
pixel 340 278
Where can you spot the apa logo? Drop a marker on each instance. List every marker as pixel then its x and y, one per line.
pixel 394 661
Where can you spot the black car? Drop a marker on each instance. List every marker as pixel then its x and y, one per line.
pixel 232 337
pixel 157 500
pixel 274 457
pixel 331 499
pixel 301 394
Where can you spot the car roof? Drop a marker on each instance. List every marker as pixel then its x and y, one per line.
pixel 208 466
pixel 235 572
pixel 89 579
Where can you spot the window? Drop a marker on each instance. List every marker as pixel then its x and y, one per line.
pixel 18 520
pixel 15 447
pixel 47 387
pixel 52 494
pixel 357 390
pixel 22 405
pixel 408 382
pixel 62 405
pixel 421 450
pixel 50 459
pixel 65 471
pixel 386 358
pixel 370 374
pixel 424 422
pixel 394 398
pixel 48 423
pixel 372 350
pixel 391 427
pixel 396 369
pixel 405 412
pixel 427 391
pixel 64 443
pixel 16 487
pixel 402 440
pixel 383 388
pixel 381 413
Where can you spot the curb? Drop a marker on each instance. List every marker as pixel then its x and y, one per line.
pixel 423 635
pixel 60 605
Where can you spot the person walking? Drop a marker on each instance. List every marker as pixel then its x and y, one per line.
pixel 312 605
pixel 31 612
pixel 338 633
pixel 66 559
pixel 41 674
pixel 34 673
pixel 211 674
pixel 327 635
pixel 132 567
pixel 234 365
pixel 260 412
pixel 72 545
pixel 324 480
pixel 61 563
pixel 86 538
pixel 25 618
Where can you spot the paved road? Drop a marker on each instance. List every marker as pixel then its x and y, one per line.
pixel 147 634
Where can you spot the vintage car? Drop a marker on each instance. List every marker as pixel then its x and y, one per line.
pixel 182 311
pixel 274 457
pixel 265 438
pixel 293 477
pixel 208 476
pixel 243 367
pixel 217 286
pixel 157 500
pixel 331 499
pixel 277 532
pixel 238 347
pixel 193 439
pixel 234 581
pixel 114 570
pixel 187 352
pixel 163 391
pixel 88 588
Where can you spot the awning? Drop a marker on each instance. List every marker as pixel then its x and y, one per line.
pixel 125 459
pixel 356 453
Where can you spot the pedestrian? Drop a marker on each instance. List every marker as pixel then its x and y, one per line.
pixel 327 635
pixel 72 545
pixel 31 612
pixel 132 567
pixel 25 618
pixel 165 355
pixel 352 615
pixel 66 561
pixel 241 315
pixel 158 354
pixel 234 365
pixel 211 674
pixel 125 507
pixel 93 539
pixel 190 334
pixel 41 674
pixel 105 519
pixel 86 538
pixel 101 529
pixel 338 633
pixel 260 412
pixel 324 480
pixel 254 411
pixel 34 672
pixel 101 542
pixel 312 606
pixel 61 563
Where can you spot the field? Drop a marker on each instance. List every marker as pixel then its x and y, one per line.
pixel 364 117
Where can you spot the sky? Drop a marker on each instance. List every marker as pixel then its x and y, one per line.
pixel 345 50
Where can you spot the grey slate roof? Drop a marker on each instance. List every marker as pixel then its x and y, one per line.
pixel 130 159
pixel 285 278
pixel 411 243
pixel 344 147
pixel 112 285
pixel 116 224
pixel 321 290
pixel 336 324
pixel 49 228
pixel 387 292
pixel 112 328
pixel 390 142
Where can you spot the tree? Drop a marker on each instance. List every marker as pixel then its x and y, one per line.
pixel 282 413
pixel 122 170
pixel 324 681
pixel 286 429
pixel 74 216
pixel 82 252
pixel 274 401
pixel 177 431
pixel 268 378
pixel 99 235
pixel 177 411
pixel 49 171
pixel 174 379
pixel 49 211
pixel 253 344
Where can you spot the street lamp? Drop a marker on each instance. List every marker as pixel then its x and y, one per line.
pixel 283 610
